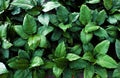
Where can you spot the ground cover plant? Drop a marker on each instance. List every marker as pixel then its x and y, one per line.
pixel 60 38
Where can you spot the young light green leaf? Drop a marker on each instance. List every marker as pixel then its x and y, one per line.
pixel 3 68
pixel 117 49
pixel 102 47
pixel 64 27
pixel 72 57
pixel 34 41
pixel 6 44
pixel 101 17
pixel 73 17
pixel 108 4
pixel 93 1
pixel 43 42
pixel 36 61
pixel 45 30
pixel 44 19
pixel 60 50
pixel 85 37
pixel 62 14
pixel 25 4
pixel 90 27
pixel 50 5
pixel 89 71
pixel 57 71
pixel 106 61
pixel 20 32
pixel 85 15
pixel 29 24
pixel 102 72
pixel 88 56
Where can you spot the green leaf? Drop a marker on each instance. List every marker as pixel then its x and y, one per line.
pixel 77 49
pixel 3 68
pixel 25 4
pixel 29 24
pixel 101 33
pixel 60 50
pixel 117 49
pixel 90 27
pixel 73 17
pixel 23 54
pixel 38 52
pixel 50 6
pixel 62 14
pixel 89 71
pixel 34 41
pixel 106 61
pixel 56 35
pixel 93 1
pixel 36 61
pixel 85 15
pixel 78 64
pixel 116 73
pixel 117 16
pixel 23 74
pixel 57 71
pixel 44 19
pixel 18 63
pixel 19 42
pixel 64 27
pixel 20 32
pixel 45 30
pixel 88 56
pixel 102 72
pixel 102 47
pixel 85 37
pixel 53 19
pixel 3 31
pixel 72 57
pixel 6 44
pixel 108 4
pixel 67 73
pixel 88 47
pixel 3 5
pixel 43 42
pixel 101 17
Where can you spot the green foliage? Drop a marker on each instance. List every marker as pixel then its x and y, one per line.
pixel 59 38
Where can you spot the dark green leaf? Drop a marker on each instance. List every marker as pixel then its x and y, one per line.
pixel 117 49
pixel 85 15
pixel 76 49
pixel 108 4
pixel 89 71
pixel 62 14
pixel 78 64
pixel 56 35
pixel 67 73
pixel 23 54
pixel 19 42
pixel 29 24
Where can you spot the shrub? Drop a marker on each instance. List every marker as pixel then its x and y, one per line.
pixel 60 38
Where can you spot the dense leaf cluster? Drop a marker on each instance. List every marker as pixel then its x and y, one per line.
pixel 59 38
